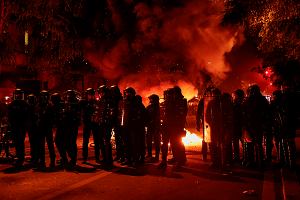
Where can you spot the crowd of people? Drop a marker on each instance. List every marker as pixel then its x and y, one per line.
pixel 251 120
pixel 55 119
pixel 247 119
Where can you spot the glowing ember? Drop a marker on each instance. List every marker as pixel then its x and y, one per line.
pixel 191 139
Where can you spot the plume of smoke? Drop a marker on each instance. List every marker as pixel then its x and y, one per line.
pixel 168 45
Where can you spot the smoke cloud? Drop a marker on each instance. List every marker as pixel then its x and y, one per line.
pixel 168 44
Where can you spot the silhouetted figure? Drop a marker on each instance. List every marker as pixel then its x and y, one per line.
pixel 129 125
pixel 18 118
pixel 214 119
pixel 45 125
pixel 71 121
pixel 227 129
pixel 174 119
pixel 116 120
pixel 90 124
pixel 58 124
pixel 256 119
pixel 278 123
pixel 153 126
pixel 103 113
pixel 141 117
pixel 5 137
pixel 238 112
pixel 32 129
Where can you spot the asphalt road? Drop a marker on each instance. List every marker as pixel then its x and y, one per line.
pixel 194 181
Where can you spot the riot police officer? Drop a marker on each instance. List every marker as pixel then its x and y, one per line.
pixel 213 117
pixel 105 126
pixel 32 128
pixel 178 125
pixel 45 125
pixel 58 124
pixel 227 127
pixel 256 118
pixel 140 119
pixel 129 115
pixel 153 126
pixel 90 124
pixel 238 112
pixel 18 115
pixel 116 120
pixel 71 119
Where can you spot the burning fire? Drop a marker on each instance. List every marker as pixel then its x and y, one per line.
pixel 191 139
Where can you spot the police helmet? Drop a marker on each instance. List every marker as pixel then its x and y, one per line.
pixel 90 91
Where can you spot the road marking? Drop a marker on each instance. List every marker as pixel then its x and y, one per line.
pixel 74 186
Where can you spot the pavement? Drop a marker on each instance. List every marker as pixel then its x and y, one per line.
pixel 194 181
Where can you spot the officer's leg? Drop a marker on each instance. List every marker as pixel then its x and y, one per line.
pixel 149 141
pixel 236 148
pixel 73 145
pixel 50 144
pixel 60 142
pixel 108 148
pixel 157 144
pixel 269 147
pixel 119 143
pixel 31 143
pixel 95 132
pixel 291 152
pixel 102 141
pixel 165 146
pixel 85 143
pixel 19 145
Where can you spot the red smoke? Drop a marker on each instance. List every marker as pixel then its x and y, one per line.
pixel 169 46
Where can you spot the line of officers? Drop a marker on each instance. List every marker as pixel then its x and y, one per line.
pixel 252 120
pixel 55 119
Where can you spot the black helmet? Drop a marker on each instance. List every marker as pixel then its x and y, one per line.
pixel 71 95
pixel 239 93
pixel 18 94
pixel 154 98
pixel 129 90
pixel 102 89
pixel 216 92
pixel 55 98
pixel 115 89
pixel 254 90
pixel 90 91
pixel 31 99
pixel 44 93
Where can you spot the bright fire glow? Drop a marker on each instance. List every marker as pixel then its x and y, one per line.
pixel 191 139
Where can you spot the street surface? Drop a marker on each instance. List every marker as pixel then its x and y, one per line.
pixel 194 181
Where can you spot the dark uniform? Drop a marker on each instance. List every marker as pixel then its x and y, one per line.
pixel 32 128
pixel 256 120
pixel 140 134
pixel 227 129
pixel 116 120
pixel 45 125
pixel 129 125
pixel 284 126
pixel 153 126
pixel 89 111
pixel 103 113
pixel 174 119
pixel 4 127
pixel 58 124
pixel 18 115
pixel 214 119
pixel 71 122
pixel 238 112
